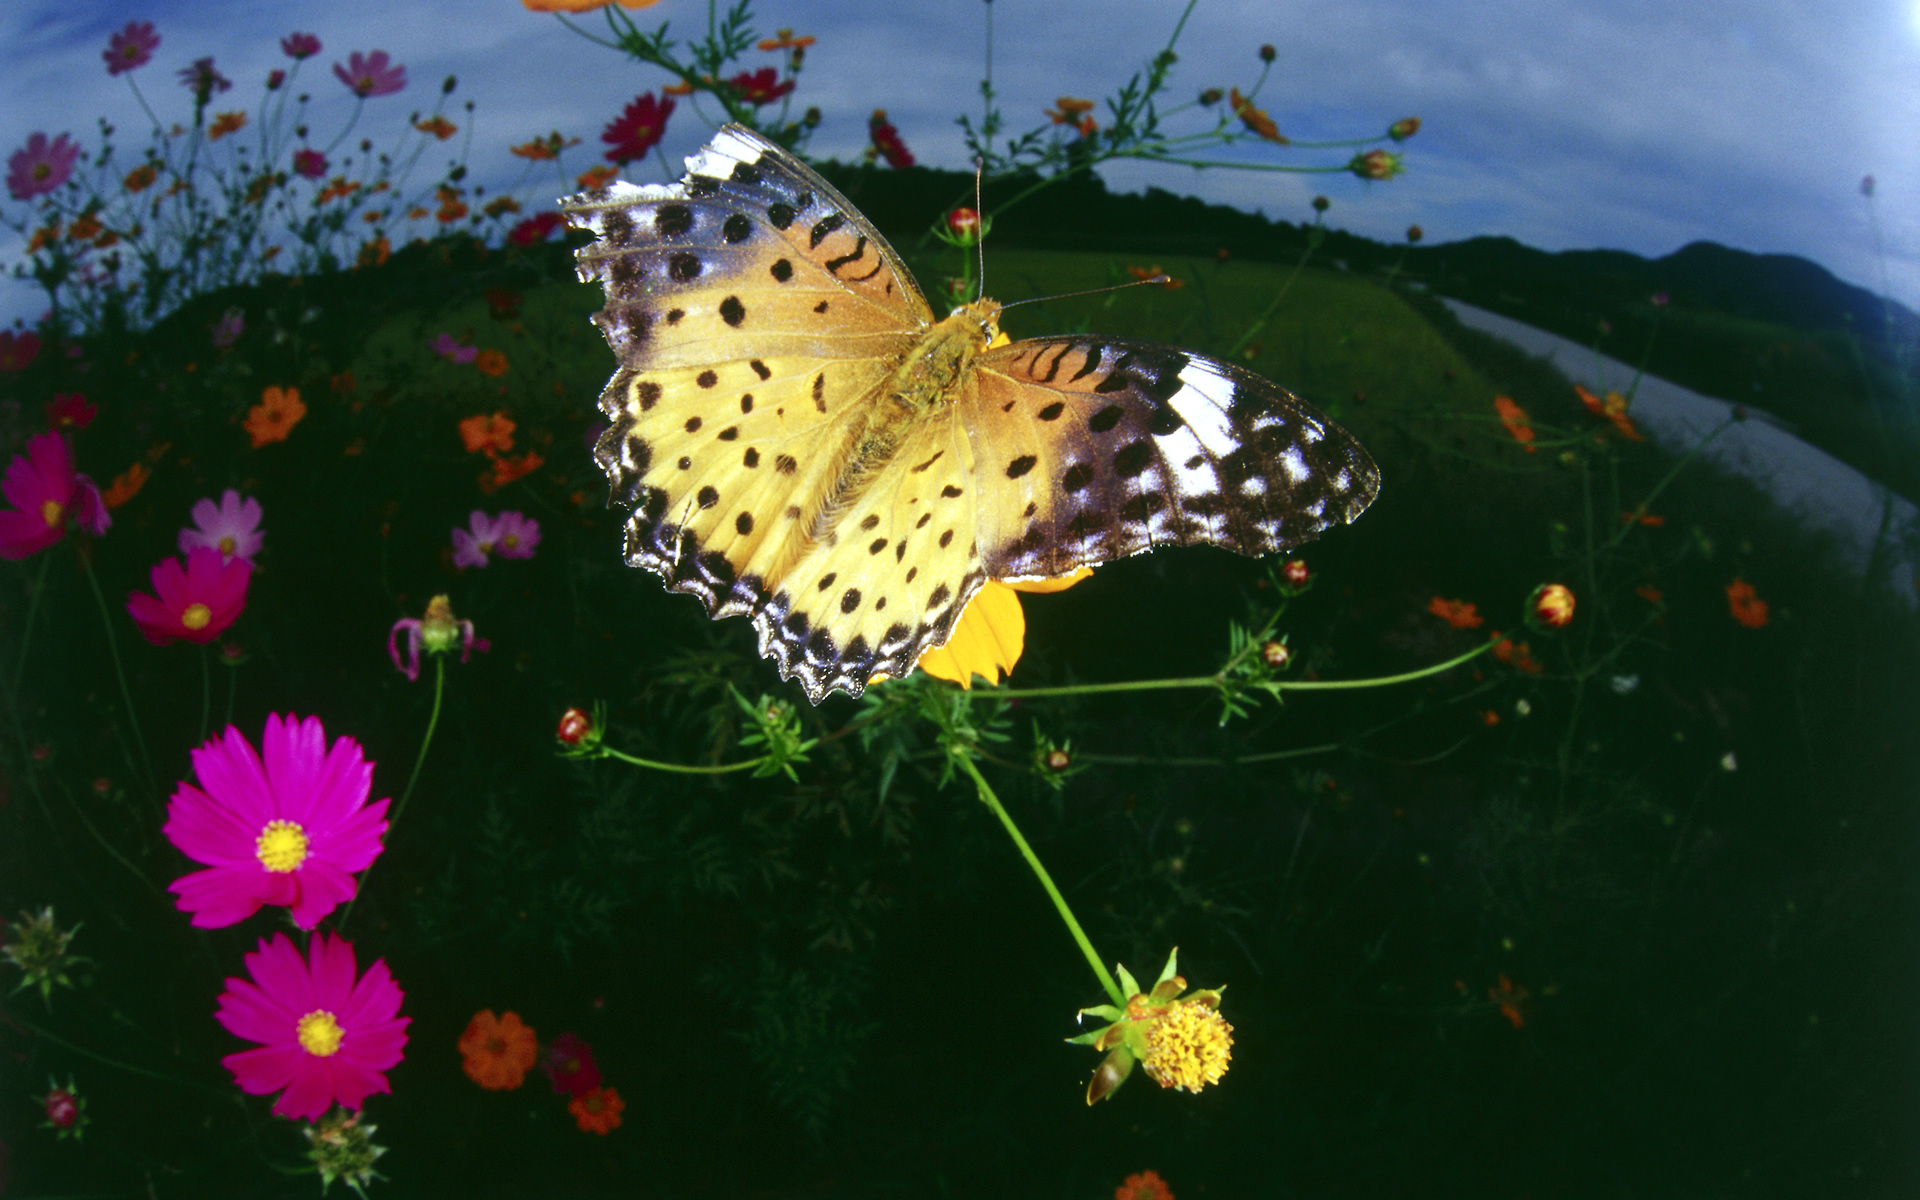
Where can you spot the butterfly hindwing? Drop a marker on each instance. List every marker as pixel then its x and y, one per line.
pixel 1097 448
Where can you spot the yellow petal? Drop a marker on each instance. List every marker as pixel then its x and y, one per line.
pixel 986 641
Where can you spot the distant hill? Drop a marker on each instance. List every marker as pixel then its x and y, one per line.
pixel 1569 291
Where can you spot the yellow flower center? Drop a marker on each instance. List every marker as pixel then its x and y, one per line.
pixel 196 616
pixel 282 847
pixel 319 1033
pixel 228 546
pixel 510 541
pixel 51 512
pixel 1189 1047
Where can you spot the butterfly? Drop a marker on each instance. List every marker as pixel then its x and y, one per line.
pixel 802 442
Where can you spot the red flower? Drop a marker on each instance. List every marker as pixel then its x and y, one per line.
pixel 1509 998
pixel 192 603
pixel 1747 608
pixel 536 228
pixel 638 128
pixel 70 411
pixel 569 1063
pixel 1551 605
pixel 598 1111
pixel 1296 573
pixel 760 87
pixel 575 727
pixel 1143 1185
pixel 17 350
pixel 887 143
pixel 1515 418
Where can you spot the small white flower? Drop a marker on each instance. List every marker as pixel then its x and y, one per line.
pixel 1623 685
pixel 1522 708
pixel 1727 762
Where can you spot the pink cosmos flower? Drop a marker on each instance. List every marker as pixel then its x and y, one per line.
pixel 510 535
pixel 325 1037
pixel 309 163
pixel 131 47
pixel 194 603
pixel 638 128
pixel 437 632
pixel 47 491
pixel 569 1063
pixel 370 75
pixel 41 166
pixel 289 826
pixel 232 527
pixel 70 410
pixel 299 45
pixel 536 228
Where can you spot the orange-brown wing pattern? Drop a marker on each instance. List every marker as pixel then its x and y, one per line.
pixel 1090 449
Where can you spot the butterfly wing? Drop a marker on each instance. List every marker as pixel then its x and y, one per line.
pixel 1092 449
pixel 753 311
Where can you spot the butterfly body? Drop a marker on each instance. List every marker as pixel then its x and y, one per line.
pixel 803 443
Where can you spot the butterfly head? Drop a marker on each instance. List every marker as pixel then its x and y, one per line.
pixel 981 318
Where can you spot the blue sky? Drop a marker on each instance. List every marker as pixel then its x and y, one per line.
pixel 1636 124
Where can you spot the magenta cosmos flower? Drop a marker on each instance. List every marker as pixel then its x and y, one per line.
pixel 194 603
pixel 41 166
pixel 299 45
pixel 131 47
pixel 48 492
pixel 309 163
pixel 202 80
pixel 510 535
pixel 324 1036
pixel 232 527
pixel 370 74
pixel 287 826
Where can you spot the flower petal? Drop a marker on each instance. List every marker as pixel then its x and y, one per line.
pixel 208 832
pixel 247 1012
pixel 232 775
pixel 310 1094
pixel 331 958
pixel 267 1069
pixel 321 887
pixel 219 896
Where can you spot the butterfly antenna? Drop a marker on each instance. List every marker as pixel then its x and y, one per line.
pixel 1112 287
pixel 979 166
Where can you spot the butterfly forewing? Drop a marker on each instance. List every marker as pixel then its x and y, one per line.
pixel 782 461
pixel 1095 448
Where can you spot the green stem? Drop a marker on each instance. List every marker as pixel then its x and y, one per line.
pixel 1206 681
pixel 30 1027
pixel 1273 306
pixel 681 768
pixel 206 692
pixel 26 627
pixel 119 673
pixel 393 817
pixel 1046 881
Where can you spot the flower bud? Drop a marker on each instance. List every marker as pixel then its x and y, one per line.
pixel 964 224
pixel 1376 165
pixel 575 727
pixel 65 1109
pixel 446 89
pixel 1211 96
pixel 1296 573
pixel 1321 204
pixel 1275 654
pixel 1268 54
pixel 1415 233
pixel 1058 760
pixel 1404 128
pixel 1551 606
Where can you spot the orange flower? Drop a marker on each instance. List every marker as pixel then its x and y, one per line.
pixel 506 470
pixel 339 187
pixel 492 434
pixel 600 176
pixel 274 417
pixel 1747 609
pixel 1552 605
pixel 1520 657
pixel 582 5
pixel 1643 516
pixel 438 126
pixel 1509 998
pixel 1160 278
pixel 1592 401
pixel 491 362
pixel 1490 718
pixel 1255 120
pixel 226 123
pixel 140 178
pixel 1457 613
pixel 85 228
pixel 1650 593
pixel 43 237
pixel 1143 1185
pixel 1068 111
pixel 683 88
pixel 598 1111
pixel 374 253
pixel 497 1052
pixel 783 39
pixel 1515 418
pixel 126 485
